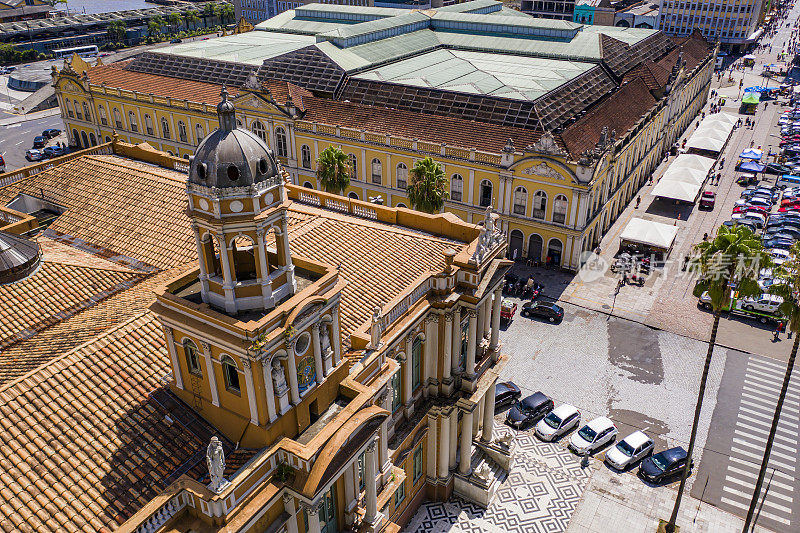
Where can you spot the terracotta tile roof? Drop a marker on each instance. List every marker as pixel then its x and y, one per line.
pixel 425 127
pixel 621 57
pixel 28 354
pixel 128 211
pixel 619 112
pixel 54 292
pixel 377 260
pixel 85 440
pixel 656 73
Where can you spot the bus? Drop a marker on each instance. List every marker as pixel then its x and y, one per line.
pixel 89 50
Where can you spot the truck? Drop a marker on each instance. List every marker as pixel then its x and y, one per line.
pixel 747 307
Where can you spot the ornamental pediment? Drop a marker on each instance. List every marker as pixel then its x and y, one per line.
pixel 254 102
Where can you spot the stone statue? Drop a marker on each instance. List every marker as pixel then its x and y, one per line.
pixel 489 221
pixel 505 439
pixel 483 472
pixel 278 376
pixel 375 329
pixel 215 457
pixel 324 338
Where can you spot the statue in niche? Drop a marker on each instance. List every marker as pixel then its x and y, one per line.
pixel 375 329
pixel 278 376
pixel 324 338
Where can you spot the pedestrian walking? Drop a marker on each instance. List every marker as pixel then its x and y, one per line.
pixel 638 201
pixel 778 329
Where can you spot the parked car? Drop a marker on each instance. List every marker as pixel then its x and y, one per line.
pixel 766 303
pixel 779 256
pixel 664 465
pixel 529 410
pixel 775 168
pixel 176 40
pixel 708 199
pixel 39 141
pixel 51 133
pixel 53 151
pixel 756 219
pixel 506 393
pixel 746 223
pixel 543 309
pixel 34 155
pixel 593 436
pixel 778 243
pixel 559 421
pixel 629 450
pixel 2 164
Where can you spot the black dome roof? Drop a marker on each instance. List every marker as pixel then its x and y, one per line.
pixel 19 257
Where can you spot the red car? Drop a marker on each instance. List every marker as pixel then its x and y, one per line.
pixel 749 209
pixel 708 199
pixel 788 208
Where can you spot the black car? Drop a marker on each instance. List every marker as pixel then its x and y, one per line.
pixel 778 243
pixel 529 410
pixel 506 393
pixel 51 133
pixel 543 309
pixel 176 40
pixel 775 168
pixel 39 141
pixel 663 465
pixel 745 223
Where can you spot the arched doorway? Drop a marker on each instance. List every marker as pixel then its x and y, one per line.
pixel 353 196
pixel 515 244
pixel 84 140
pixel 76 138
pixel 308 185
pixel 554 249
pixel 535 245
pixel 93 139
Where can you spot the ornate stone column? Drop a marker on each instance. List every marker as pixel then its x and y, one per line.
pixel 469 365
pixel 288 506
pixel 488 413
pixel 327 352
pixel 444 443
pixel 287 254
pixel 319 369
pixel 336 340
pixel 350 495
pixel 383 455
pixel 480 323
pixel 294 391
pixel 371 516
pixel 250 389
pixel 203 272
pixel 173 356
pixel 312 512
pixel 433 425
pixel 212 377
pixel 487 316
pixel 407 375
pixel 455 358
pixel 430 355
pixel 495 339
pixel 266 371
pixel 453 440
pixel 227 277
pixel 447 359
pixel 266 282
pixel 464 466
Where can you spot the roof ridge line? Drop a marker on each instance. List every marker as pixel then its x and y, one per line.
pixel 120 270
pixel 6 386
pixel 145 167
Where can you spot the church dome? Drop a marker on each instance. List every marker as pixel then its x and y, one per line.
pixel 231 156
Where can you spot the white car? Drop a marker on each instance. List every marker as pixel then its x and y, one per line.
pixel 629 450
pixel 779 255
pixel 766 303
pixel 755 218
pixel 560 420
pixel 765 283
pixel 593 436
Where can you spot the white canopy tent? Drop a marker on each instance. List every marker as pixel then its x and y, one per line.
pixel 684 178
pixel 713 133
pixel 649 234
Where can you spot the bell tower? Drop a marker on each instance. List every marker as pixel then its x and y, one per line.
pixel 238 204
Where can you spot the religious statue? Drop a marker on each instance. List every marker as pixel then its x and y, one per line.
pixel 215 457
pixel 278 376
pixel 489 221
pixel 375 330
pixel 324 338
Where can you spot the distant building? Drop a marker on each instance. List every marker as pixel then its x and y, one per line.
pixel 639 15
pixel 256 11
pixel 549 9
pixel 735 23
pixel 600 12
pixel 16 10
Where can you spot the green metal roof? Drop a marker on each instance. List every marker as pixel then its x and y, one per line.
pixel 250 48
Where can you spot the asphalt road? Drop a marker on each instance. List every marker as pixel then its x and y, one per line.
pixel 15 139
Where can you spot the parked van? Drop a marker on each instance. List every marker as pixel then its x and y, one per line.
pixel 788 180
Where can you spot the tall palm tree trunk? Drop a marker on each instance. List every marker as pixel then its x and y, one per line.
pixel 711 342
pixel 772 431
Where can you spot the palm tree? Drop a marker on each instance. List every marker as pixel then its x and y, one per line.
pixel 190 17
pixel 174 20
pixel 154 26
pixel 735 255
pixel 787 287
pixel 209 10
pixel 226 12
pixel 333 170
pixel 427 190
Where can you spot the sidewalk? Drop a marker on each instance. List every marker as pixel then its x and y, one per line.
pixel 622 502
pixel 30 116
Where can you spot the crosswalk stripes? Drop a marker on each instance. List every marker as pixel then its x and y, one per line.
pixel 762 383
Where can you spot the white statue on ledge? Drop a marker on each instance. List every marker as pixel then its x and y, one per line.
pixel 375 329
pixel 215 457
pixel 278 376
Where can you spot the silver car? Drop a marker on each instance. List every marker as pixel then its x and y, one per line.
pixel 629 450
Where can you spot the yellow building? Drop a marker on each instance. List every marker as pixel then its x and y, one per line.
pixel 15 10
pixel 557 180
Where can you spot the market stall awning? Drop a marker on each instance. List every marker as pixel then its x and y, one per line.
pixel 751 98
pixel 649 233
pixel 684 178
pixel 676 190
pixel 751 166
pixel 713 133
pixel 752 153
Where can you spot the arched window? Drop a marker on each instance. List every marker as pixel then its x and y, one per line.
pixel 520 200
pixel 308 185
pixel 402 176
pixel 108 139
pixel 231 374
pixel 353 167
pixel 78 110
pixel 560 209
pixel 192 357
pixel 280 142
pixel 148 124
pixel 68 105
pixel 401 204
pixel 377 171
pixel 182 131
pixel 86 111
pixel 486 193
pixel 101 112
pixel 164 128
pixel 416 364
pixel 539 204
pixel 244 258
pixel 456 187
pixel 132 121
pixel 118 119
pixel 93 139
pixel 259 129
pixel 84 140
pixel 305 156
pixel 353 195
pixel 76 139
pixel 199 133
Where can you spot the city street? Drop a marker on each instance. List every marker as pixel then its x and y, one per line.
pixel 16 138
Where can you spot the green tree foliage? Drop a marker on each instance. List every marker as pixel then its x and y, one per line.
pixel 428 188
pixel 333 170
pixel 116 31
pixel 191 17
